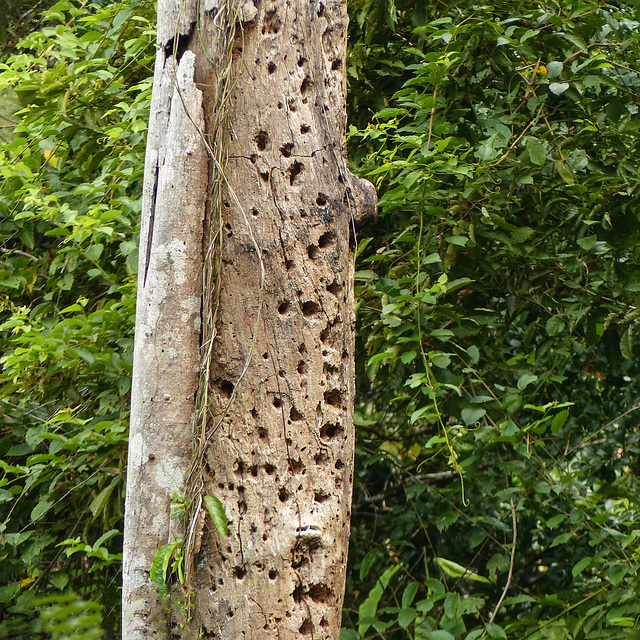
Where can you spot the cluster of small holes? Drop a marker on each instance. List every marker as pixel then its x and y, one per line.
pixel 294 171
pixel 334 288
pixel 310 309
pixel 321 496
pixel 286 149
pixel 336 64
pixel 312 252
pixel 305 128
pixel 284 307
pixel 321 200
pixel 326 239
pixel 295 415
pixel 321 457
pixel 262 140
pixel 283 495
pixel 225 386
pixel 330 369
pixel 320 593
pixel 333 397
pixel 277 402
pixel 330 431
pixel 239 572
pixel 302 367
pixel 269 469
pixel 306 85
pixel 296 467
pixel 271 22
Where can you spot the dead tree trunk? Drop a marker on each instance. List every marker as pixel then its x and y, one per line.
pixel 274 436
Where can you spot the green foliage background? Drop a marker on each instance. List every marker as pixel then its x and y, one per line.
pixel 498 458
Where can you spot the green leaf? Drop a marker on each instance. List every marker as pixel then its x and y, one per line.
pixel 408 356
pixel 558 421
pixel 440 634
pixel 555 325
pixel 554 521
pixel 441 360
pixel 159 566
pixel 591 81
pixel 495 631
pixel 626 344
pixel 474 354
pixel 444 521
pixel 40 509
pixel 587 242
pixel 461 241
pixel 217 513
pixel 406 617
pixel 580 566
pixel 409 594
pixel 100 501
pixel 558 88
pixel 369 608
pixel 471 415
pixel 525 380
pixel 565 172
pixel 456 570
pixel 537 152
pixel 554 69
pixel 367 563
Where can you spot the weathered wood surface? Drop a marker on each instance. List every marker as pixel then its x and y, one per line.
pixel 280 436
pixel 166 353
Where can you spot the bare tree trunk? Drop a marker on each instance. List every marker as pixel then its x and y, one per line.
pixel 275 436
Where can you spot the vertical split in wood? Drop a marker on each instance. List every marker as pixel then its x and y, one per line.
pixel 166 353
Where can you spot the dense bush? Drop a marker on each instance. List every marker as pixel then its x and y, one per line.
pixel 497 308
pixel 70 189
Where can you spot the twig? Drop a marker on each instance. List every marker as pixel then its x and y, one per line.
pixel 513 557
pixel 21 253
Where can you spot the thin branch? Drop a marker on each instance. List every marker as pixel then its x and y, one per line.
pixel 513 557
pixel 21 253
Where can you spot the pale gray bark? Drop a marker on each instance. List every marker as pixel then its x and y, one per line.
pixel 166 358
pixel 279 440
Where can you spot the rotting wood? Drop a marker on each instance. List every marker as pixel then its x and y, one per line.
pixel 166 354
pixel 277 441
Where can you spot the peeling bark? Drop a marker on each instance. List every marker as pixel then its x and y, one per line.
pixel 166 353
pixel 279 438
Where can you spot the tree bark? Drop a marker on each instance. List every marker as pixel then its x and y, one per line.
pixel 277 440
pixel 166 351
